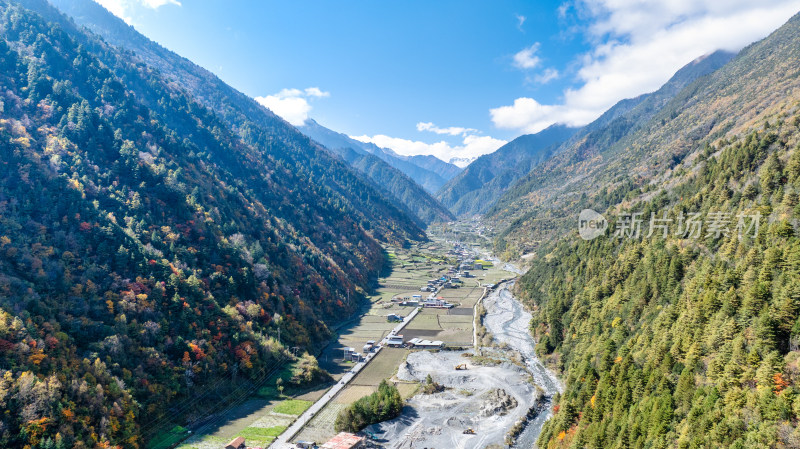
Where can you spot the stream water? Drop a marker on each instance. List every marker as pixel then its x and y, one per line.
pixel 508 321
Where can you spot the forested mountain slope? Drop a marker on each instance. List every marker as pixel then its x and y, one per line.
pixel 149 250
pixel 240 110
pixel 432 163
pixel 552 188
pixel 398 186
pixel 688 338
pixel 482 182
pixel 256 125
pixel 394 181
pixel 427 171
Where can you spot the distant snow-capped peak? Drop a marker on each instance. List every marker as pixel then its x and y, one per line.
pixel 462 161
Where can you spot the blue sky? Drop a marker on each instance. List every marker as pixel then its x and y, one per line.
pixel 449 78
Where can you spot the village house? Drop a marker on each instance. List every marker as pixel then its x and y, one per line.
pixel 418 343
pixel 394 318
pixel 236 443
pixel 344 440
pixel 395 341
pixel 437 303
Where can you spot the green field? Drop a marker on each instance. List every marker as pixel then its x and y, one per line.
pixel 258 428
pixel 169 438
pixel 292 407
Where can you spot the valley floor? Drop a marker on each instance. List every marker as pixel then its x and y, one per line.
pixel 428 420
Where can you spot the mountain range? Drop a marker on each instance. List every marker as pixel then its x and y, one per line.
pixel 485 179
pixel 492 180
pixel 428 171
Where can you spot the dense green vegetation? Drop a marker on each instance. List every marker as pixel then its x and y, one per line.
pixel 267 135
pixel 674 341
pixel 682 342
pixel 306 372
pixel 383 405
pixel 150 250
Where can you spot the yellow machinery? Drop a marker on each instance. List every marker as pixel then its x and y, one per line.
pixel 463 366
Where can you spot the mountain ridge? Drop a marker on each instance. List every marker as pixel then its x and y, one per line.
pixel 256 124
pixel 428 171
pixel 485 179
pixel 588 151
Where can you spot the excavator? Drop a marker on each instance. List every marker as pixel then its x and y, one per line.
pixel 461 367
pixel 469 431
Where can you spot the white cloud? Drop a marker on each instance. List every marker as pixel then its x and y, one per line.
pixel 117 7
pixel 155 4
pixel 546 76
pixel 520 21
pixel 124 8
pixel 526 58
pixel 471 146
pixel 315 92
pixel 529 116
pixel 451 131
pixel 292 104
pixel 637 46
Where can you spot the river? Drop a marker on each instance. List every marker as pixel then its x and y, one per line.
pixel 509 322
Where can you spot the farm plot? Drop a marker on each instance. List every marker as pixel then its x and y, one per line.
pixel 320 428
pixel 258 429
pixel 407 389
pixel 441 324
pixel 353 393
pixel 383 366
pixel 425 320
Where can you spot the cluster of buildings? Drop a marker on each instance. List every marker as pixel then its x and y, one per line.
pixel 397 341
pixel 466 260
pixel 435 302
pixel 350 354
pixel 451 280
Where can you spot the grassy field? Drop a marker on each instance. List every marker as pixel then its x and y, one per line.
pixel 407 389
pixel 437 324
pixel 169 438
pixel 426 319
pixel 258 428
pixel 353 393
pixel 292 407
